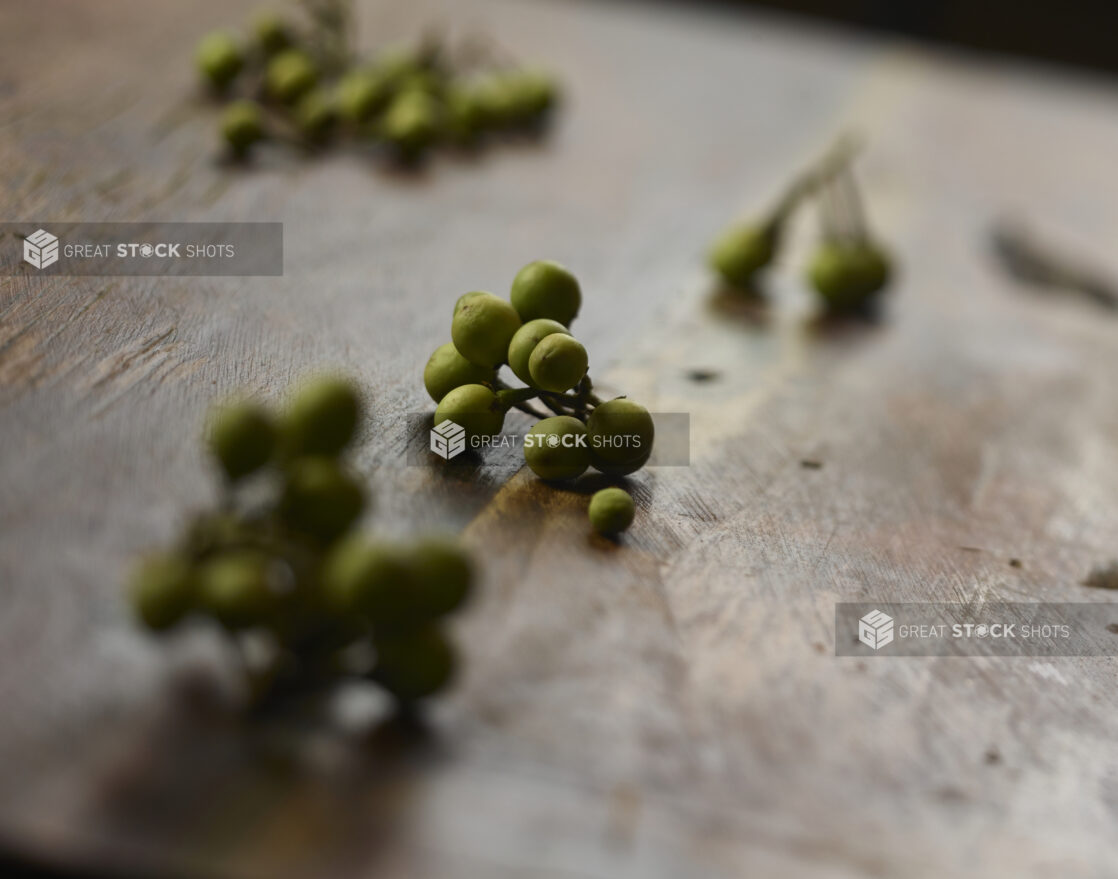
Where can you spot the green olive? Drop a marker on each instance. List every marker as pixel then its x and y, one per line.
pixel 556 448
pixel 847 276
pixel 482 328
pixel 611 511
pixel 621 435
pixel 442 573
pixel 558 363
pixel 524 342
pixel 742 251
pixel 242 437
pixel 361 94
pixel 447 370
pixel 320 498
pixel 290 75
pixel 321 418
pixel 315 115
pixel 242 125
pixel 546 289
pixel 236 588
pixel 162 590
pixel 219 59
pixel 411 122
pixel 273 34
pixel 416 664
pixel 474 408
pixel 374 580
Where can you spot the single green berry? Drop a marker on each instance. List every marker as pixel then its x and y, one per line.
pixel 219 59
pixel 442 573
pixel 847 276
pixel 162 590
pixel 416 664
pixel 321 418
pixel 315 115
pixel 611 511
pixel 242 125
pixel 557 448
pixel 320 498
pixel 361 94
pixel 242 437
pixel 474 408
pixel 447 370
pixel 374 580
pixel 537 92
pixel 411 123
pixel 558 363
pixel 396 64
pixel 524 342
pixel 290 75
pixel 545 289
pixel 742 251
pixel 273 34
pixel 482 328
pixel 621 435
pixel 497 101
pixel 463 115
pixel 236 587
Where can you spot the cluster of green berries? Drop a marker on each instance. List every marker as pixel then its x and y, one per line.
pixel 282 84
pixel 280 557
pixel 848 269
pixel 530 334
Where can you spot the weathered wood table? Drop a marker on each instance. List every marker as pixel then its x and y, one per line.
pixel 668 707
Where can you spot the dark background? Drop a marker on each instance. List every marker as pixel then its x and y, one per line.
pixel 1076 33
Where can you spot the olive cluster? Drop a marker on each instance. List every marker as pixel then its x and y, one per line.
pixel 279 558
pixel 530 334
pixel 848 269
pixel 298 85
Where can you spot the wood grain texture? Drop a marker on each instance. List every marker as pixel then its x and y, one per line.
pixel 667 707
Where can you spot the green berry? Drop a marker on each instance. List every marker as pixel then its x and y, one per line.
pixel 415 665
pixel 536 92
pixel 482 328
pixel 442 573
pixel 162 590
pixel 315 115
pixel 219 59
pixel 524 342
pixel 320 498
pixel 242 125
pixel 621 434
pixel 242 437
pixel 272 33
pixel 321 418
pixel 847 276
pixel 742 251
pixel 545 289
pixel 236 588
pixel 447 370
pixel 361 95
pixel 374 580
pixel 558 363
pixel 557 448
pixel 497 101
pixel 411 123
pixel 474 408
pixel 290 75
pixel 611 511
pixel 464 116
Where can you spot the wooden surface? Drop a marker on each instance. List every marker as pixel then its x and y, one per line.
pixel 667 708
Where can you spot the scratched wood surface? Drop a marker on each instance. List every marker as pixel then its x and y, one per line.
pixel 668 707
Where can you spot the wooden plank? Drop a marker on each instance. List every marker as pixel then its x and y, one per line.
pixel 668 707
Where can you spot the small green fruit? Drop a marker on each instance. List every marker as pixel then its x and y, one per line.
pixel 273 34
pixel 321 418
pixel 621 435
pixel 374 580
pixel 482 328
pixel 558 363
pixel 315 115
pixel 411 122
pixel 442 574
pixel 742 251
pixel 162 590
pixel 524 342
pixel 242 125
pixel 320 498
pixel 545 289
pixel 476 409
pixel 847 276
pixel 361 94
pixel 611 511
pixel 242 437
pixel 219 59
pixel 447 370
pixel 415 665
pixel 236 588
pixel 556 448
pixel 290 75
